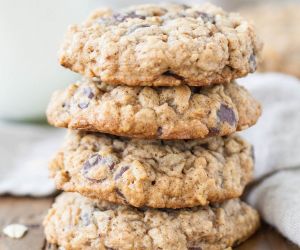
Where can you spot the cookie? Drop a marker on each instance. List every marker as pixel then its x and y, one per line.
pixel 162 45
pixel 154 173
pixel 180 112
pixel 278 26
pixel 76 222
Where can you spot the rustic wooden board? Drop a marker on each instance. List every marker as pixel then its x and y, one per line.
pixel 27 211
pixel 30 212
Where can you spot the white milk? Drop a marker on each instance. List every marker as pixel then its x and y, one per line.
pixel 30 34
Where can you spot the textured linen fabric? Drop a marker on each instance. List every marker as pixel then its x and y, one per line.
pixel 276 136
pixel 25 151
pixel 278 200
pixel 276 139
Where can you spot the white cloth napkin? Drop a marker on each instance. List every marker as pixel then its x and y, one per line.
pixel 276 139
pixel 26 150
pixel 276 136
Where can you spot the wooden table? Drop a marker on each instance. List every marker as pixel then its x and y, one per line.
pixel 30 212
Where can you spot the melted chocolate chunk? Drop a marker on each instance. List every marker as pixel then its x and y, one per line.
pixel 207 18
pixel 226 114
pixel 91 162
pixel 195 248
pixel 88 92
pixel 94 161
pixel 122 171
pixel 136 27
pixel 123 17
pixel 213 132
pixel 83 105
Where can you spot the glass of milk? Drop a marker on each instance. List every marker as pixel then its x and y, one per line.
pixel 30 35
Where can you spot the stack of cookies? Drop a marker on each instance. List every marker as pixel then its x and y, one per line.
pixel 151 152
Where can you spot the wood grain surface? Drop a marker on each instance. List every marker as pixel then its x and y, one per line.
pixel 30 212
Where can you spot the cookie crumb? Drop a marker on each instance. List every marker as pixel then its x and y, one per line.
pixel 15 231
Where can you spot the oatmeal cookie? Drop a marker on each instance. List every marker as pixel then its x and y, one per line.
pixel 180 112
pixel 76 222
pixel 162 45
pixel 154 173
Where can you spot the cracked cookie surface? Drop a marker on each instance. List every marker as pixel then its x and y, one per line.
pixel 76 222
pixel 153 173
pixel 180 112
pixel 162 45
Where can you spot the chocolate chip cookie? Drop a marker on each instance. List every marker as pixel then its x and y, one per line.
pixel 76 222
pixel 162 45
pixel 154 173
pixel 180 112
pixel 278 26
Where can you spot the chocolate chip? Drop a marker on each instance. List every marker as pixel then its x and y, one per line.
pixel 121 172
pixel 83 105
pixel 206 17
pixel 93 161
pixel 123 17
pixel 252 63
pixel 118 17
pixel 195 248
pixel 88 92
pixel 134 28
pixel 159 131
pixel 226 114
pixel 213 131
